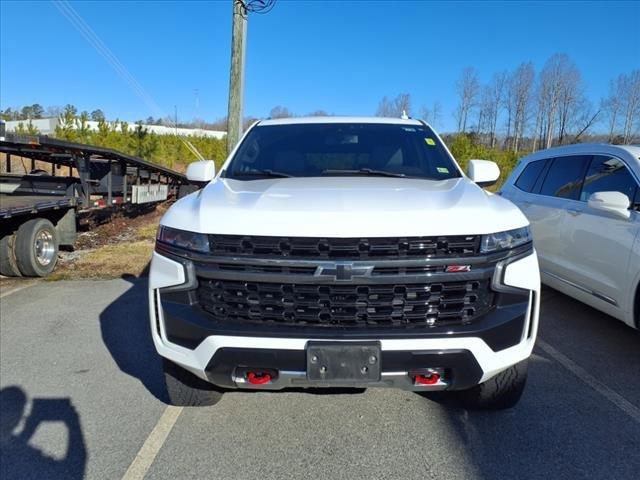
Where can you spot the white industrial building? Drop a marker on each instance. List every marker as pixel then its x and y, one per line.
pixel 47 126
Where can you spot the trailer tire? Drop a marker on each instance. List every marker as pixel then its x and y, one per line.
pixel 36 247
pixel 8 263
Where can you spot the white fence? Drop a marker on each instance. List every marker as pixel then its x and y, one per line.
pixel 47 126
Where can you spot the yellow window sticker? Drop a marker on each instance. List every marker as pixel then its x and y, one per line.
pixel 443 170
pixel 430 141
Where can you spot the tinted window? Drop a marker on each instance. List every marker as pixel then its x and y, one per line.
pixel 564 178
pixel 608 174
pixel 324 149
pixel 529 175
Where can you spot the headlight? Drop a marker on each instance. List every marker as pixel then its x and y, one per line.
pixel 197 242
pixel 505 240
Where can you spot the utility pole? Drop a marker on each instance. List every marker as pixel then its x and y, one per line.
pixel 236 81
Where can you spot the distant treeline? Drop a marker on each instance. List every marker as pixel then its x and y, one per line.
pixel 524 110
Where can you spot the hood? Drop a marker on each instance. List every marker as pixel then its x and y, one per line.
pixel 343 207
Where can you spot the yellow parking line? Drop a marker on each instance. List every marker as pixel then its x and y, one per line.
pixel 152 445
pixel 618 400
pixel 8 292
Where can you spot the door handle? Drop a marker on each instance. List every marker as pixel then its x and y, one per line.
pixel 574 211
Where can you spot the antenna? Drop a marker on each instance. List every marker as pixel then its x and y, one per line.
pixel 404 115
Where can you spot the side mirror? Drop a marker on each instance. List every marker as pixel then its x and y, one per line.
pixel 201 172
pixel 483 172
pixel 615 203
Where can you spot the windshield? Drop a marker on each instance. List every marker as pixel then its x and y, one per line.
pixel 341 149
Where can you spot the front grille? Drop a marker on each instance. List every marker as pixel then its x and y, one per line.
pixel 402 305
pixel 344 248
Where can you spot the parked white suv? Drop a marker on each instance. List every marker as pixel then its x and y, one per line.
pixel 583 203
pixel 346 252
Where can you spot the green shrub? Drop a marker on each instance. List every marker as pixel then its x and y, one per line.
pixel 464 147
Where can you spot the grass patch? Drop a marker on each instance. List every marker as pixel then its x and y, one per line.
pixel 147 232
pixel 118 248
pixel 110 261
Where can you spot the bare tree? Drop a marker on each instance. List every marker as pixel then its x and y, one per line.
pixel 467 89
pixel 484 105
pixel 631 105
pixel 402 104
pixel 558 82
pixel 571 98
pixel 280 112
pixel 385 108
pixel 53 111
pixel 494 100
pixel 432 115
pixel 520 87
pixel 539 129
pixel 396 107
pixel 587 119
pixel 612 105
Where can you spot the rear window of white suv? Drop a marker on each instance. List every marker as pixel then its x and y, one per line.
pixel 529 176
pixel 608 174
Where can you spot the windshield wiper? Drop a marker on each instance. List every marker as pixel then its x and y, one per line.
pixel 365 171
pixel 266 172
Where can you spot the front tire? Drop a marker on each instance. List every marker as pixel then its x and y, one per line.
pixel 498 393
pixel 36 247
pixel 187 390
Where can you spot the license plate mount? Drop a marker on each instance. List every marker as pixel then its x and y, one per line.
pixel 343 362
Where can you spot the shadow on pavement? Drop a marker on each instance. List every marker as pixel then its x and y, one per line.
pixel 18 459
pixel 124 325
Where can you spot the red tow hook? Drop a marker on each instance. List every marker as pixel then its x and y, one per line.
pixel 431 379
pixel 258 378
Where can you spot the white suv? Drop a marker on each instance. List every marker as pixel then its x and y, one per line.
pixel 346 252
pixel 582 202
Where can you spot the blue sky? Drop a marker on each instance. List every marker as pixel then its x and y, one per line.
pixel 341 57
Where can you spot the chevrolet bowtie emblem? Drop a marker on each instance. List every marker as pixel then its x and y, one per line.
pixel 343 271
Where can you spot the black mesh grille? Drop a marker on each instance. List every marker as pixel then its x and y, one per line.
pixel 434 304
pixel 344 248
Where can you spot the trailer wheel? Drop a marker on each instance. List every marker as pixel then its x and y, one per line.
pixel 8 263
pixel 36 247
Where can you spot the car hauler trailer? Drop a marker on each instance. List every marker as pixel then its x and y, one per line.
pixel 39 206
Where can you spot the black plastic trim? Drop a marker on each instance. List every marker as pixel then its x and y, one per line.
pixel 463 370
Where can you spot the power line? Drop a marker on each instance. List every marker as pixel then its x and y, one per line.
pixel 94 40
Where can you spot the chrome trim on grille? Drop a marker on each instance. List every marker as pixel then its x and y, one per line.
pixel 284 270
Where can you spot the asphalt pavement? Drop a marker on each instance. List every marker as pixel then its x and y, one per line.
pixel 82 396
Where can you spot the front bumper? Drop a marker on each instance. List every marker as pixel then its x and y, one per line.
pixel 466 355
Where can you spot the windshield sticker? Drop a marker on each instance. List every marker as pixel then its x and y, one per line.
pixel 430 141
pixel 442 169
